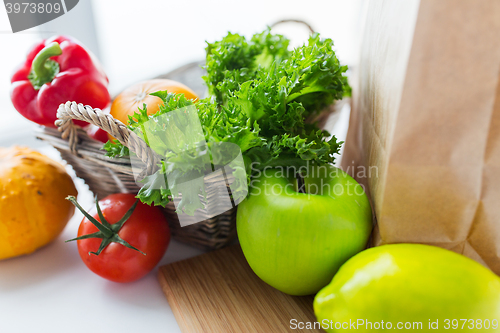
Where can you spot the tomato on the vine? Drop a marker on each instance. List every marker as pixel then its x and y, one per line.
pixel 124 239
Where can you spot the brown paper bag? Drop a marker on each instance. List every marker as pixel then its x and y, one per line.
pixel 424 134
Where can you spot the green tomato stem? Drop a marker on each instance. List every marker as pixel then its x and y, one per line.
pixel 99 225
pixel 107 232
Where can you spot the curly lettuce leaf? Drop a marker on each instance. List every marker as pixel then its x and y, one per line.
pixel 282 96
pixel 234 60
pixel 114 149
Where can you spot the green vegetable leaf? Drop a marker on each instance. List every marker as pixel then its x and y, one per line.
pixel 154 191
pixel 234 60
pixel 114 148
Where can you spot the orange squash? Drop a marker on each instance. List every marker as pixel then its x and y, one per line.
pixel 33 209
pixel 128 101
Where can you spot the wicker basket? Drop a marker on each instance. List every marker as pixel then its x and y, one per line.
pixel 105 176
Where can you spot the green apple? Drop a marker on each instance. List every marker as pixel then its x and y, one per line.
pixel 296 241
pixel 423 287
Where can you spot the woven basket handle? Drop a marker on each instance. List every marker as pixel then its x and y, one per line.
pixel 293 21
pixel 71 110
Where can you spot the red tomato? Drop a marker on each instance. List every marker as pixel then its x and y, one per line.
pixel 146 229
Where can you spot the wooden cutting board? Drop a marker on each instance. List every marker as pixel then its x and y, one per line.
pixel 218 292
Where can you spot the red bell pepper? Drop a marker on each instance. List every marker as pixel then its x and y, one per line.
pixel 97 134
pixel 58 70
